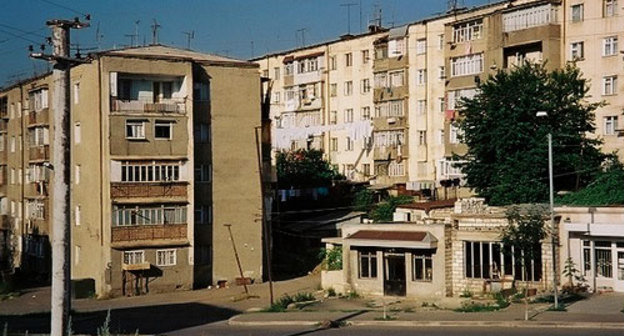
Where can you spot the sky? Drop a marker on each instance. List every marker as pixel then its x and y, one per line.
pixel 237 28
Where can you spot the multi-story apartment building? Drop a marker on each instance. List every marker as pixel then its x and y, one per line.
pixel 591 33
pixel 418 75
pixel 155 171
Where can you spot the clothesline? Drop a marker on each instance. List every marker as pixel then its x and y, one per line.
pixel 284 136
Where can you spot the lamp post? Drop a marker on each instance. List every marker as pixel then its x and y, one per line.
pixel 553 233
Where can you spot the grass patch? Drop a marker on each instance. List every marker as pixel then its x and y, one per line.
pixel 466 293
pixel 282 303
pixel 386 318
pixel 409 309
pixel 559 308
pixel 303 296
pixel 353 295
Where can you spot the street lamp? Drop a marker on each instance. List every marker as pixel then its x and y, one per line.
pixel 544 114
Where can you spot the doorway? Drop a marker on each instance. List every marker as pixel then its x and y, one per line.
pixel 619 276
pixel 394 274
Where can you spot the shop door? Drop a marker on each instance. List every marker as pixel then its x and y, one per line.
pixel 619 275
pixel 394 274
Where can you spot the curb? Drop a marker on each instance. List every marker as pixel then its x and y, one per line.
pixel 501 324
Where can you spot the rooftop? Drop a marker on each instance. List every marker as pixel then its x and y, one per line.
pixel 164 51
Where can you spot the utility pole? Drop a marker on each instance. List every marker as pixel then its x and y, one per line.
pixel 348 5
pixel 268 239
pixel 189 36
pixel 61 234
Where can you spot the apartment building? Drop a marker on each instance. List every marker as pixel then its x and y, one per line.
pixel 155 171
pixel 591 33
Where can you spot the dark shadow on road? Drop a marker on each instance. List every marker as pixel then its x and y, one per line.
pixel 329 324
pixel 148 320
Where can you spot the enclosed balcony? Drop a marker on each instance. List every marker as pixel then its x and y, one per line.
pixel 149 224
pixel 156 235
pixel 40 117
pixel 147 94
pixel 120 190
pixel 39 153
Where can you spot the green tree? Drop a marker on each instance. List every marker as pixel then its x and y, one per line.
pixel 507 157
pixel 524 233
pixel 304 168
pixel 383 212
pixel 606 189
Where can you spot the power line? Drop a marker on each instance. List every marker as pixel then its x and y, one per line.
pixel 19 36
pixel 64 7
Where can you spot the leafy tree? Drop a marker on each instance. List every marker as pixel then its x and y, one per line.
pixel 524 233
pixel 507 157
pixel 606 189
pixel 304 168
pixel 384 211
pixel 363 200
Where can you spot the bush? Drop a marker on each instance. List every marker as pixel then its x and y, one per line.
pixel 363 200
pixel 302 297
pixel 466 293
pixel 332 258
pixel 384 211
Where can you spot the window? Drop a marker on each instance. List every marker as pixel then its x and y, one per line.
pixel 348 88
pixel 77 135
pixel 203 172
pixel 12 144
pixel 132 215
pixel 468 31
pixel 349 59
pixel 397 78
pixel 396 169
pixel 135 129
pixel 441 42
pixel 332 63
pixel 577 50
pixel 288 69
pixel 76 93
pixel 37 172
pixel 381 80
pixel 421 106
pixel 265 73
pixel 441 73
pixel 366 85
pixel 609 7
pixel 609 85
pixel 275 97
pixel 421 46
pixel 39 136
pixel 201 133
pixel 422 266
pixel 35 209
pixel 76 174
pixel 133 257
pixel 577 13
pixel 2 141
pixel 333 89
pixel 467 65
pixel 276 73
pixel 440 137
pixel 388 138
pixel 602 250
pixel 440 104
pixel 368 264
pixel 395 108
pixel 19 176
pixel 348 116
pixel 396 47
pixel 333 144
pixel 365 56
pixel 609 46
pixel 586 257
pixel 454 134
pixel 365 111
pixel 76 254
pixel 492 260
pixel 333 117
pixel 38 100
pixel 166 257
pixel 150 171
pixel 348 144
pixel 422 138
pixel 77 215
pixel 203 214
pixel 421 77
pixel 366 169
pixel 610 125
pixel 163 130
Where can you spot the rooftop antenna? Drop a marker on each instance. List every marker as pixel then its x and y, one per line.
pixel 377 15
pixel 189 36
pixel 451 5
pixel 302 31
pixel 252 49
pixel 98 36
pixel 348 5
pixel 155 28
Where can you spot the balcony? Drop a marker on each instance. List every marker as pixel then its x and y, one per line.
pixel 3 126
pixel 173 105
pixel 529 17
pixel 39 153
pixel 37 189
pixel 40 117
pixel 5 222
pixel 390 93
pixel 390 63
pixel 121 190
pixel 385 153
pixel 150 235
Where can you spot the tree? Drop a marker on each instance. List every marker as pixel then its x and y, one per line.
pixel 384 211
pixel 606 189
pixel 304 168
pixel 524 234
pixel 507 157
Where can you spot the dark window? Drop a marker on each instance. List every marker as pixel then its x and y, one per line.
pixel 162 130
pixel 368 264
pixel 422 266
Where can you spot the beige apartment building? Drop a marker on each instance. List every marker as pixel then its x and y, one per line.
pixel 418 74
pixel 155 171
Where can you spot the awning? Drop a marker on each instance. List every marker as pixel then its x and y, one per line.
pixel 398 32
pixel 393 239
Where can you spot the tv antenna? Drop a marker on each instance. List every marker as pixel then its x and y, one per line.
pixel 348 5
pixel 155 27
pixel 302 31
pixel 189 36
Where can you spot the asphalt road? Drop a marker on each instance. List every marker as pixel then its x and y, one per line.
pixel 224 329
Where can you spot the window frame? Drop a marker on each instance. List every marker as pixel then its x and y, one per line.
pixel 371 260
pixel 424 257
pixel 163 123
pixel 167 260
pixel 139 125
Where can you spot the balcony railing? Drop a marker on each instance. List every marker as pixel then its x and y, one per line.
pixel 174 105
pixel 39 117
pixel 39 153
pixel 529 17
pixel 148 232
pixel 148 189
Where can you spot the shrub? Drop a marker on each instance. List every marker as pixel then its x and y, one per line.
pixel 332 258
pixel 304 296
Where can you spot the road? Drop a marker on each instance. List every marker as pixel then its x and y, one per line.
pixel 223 329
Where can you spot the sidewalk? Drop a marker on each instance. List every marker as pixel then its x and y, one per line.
pixel 600 311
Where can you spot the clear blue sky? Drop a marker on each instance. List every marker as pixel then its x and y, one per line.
pixel 225 27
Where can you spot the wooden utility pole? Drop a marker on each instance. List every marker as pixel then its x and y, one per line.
pixel 61 158
pixel 240 268
pixel 265 226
